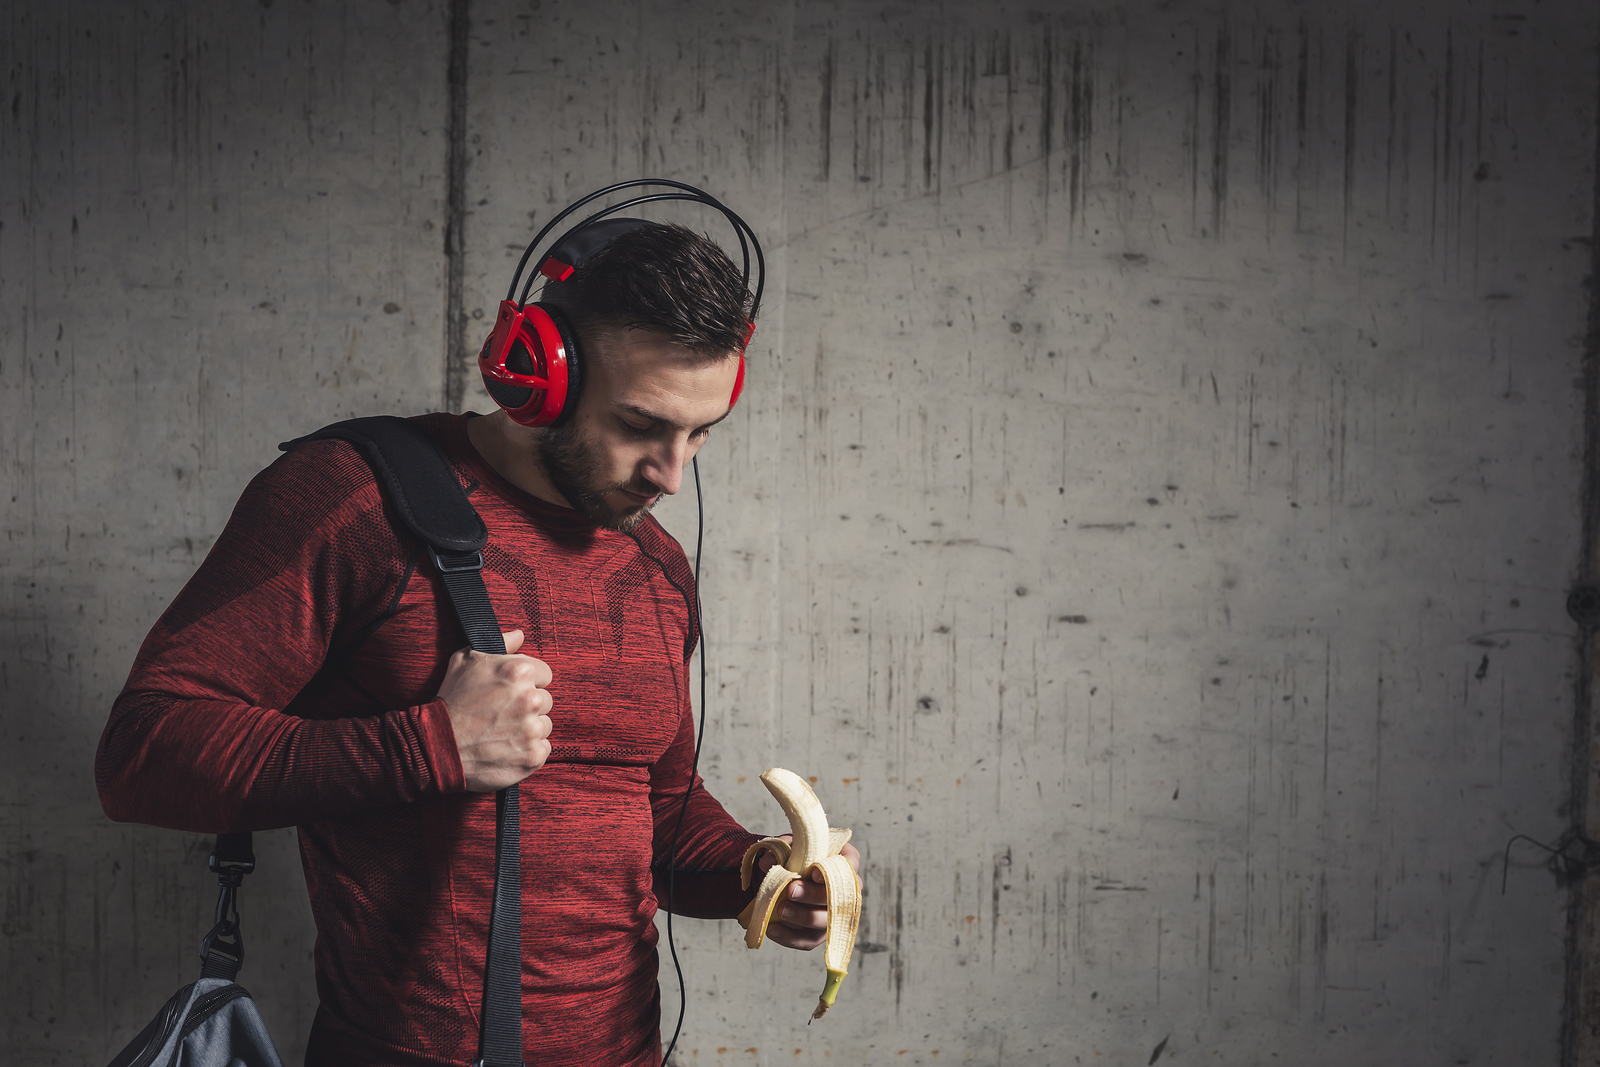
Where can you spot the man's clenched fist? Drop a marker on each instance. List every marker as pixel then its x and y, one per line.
pixel 500 713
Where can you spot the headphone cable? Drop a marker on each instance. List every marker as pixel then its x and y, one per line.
pixel 694 766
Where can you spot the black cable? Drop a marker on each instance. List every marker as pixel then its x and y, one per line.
pixel 694 765
pixel 748 243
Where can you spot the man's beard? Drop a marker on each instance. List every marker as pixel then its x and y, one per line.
pixel 574 469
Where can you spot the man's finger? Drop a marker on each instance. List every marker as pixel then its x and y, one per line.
pixel 799 916
pixel 537 670
pixel 513 640
pixel 808 893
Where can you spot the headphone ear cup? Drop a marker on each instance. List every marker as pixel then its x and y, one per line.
pixel 518 359
pixel 529 363
pixel 575 364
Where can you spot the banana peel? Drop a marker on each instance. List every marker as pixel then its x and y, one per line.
pixel 816 846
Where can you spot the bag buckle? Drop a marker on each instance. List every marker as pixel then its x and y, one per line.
pixel 222 950
pixel 456 562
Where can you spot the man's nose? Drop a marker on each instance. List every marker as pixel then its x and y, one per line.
pixel 664 467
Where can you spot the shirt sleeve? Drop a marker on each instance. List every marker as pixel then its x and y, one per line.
pixel 704 842
pixel 198 740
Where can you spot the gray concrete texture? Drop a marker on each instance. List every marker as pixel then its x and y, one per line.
pixel 1149 519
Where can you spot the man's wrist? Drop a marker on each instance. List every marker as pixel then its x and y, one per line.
pixel 437 737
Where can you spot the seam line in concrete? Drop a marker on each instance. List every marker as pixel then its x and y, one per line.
pixel 1580 953
pixel 455 318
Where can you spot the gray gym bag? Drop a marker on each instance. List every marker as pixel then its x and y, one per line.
pixel 212 1022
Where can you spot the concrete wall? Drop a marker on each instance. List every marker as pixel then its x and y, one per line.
pixel 1149 519
pixel 209 212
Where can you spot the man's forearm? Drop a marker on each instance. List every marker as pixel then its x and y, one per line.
pixel 212 766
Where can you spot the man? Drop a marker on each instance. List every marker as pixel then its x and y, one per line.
pixel 309 675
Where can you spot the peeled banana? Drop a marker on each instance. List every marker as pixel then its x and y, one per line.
pixel 815 847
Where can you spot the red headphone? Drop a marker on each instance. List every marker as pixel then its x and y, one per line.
pixel 531 363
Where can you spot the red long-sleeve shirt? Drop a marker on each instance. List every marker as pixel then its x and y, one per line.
pixel 293 682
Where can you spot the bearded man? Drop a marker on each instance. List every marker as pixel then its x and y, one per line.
pixel 309 675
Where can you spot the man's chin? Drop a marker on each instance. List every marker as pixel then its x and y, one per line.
pixel 623 524
pixel 627 513
pixel 621 519
pixel 625 520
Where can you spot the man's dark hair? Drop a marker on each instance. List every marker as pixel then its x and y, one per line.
pixel 663 277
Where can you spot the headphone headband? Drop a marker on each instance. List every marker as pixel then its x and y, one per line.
pixel 530 362
pixel 746 235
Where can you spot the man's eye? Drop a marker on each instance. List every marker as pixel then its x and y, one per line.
pixel 637 431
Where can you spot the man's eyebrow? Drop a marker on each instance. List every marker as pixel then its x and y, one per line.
pixel 645 413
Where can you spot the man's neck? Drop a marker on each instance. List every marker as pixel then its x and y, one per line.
pixel 512 450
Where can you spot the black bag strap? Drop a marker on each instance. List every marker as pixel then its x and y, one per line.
pixel 424 489
pixel 222 950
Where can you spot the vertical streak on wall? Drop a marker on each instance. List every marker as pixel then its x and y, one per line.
pixel 1351 48
pixel 1580 1037
pixel 825 115
pixel 455 312
pixel 1196 81
pixel 1267 126
pixel 1080 128
pixel 1222 110
pixel 1303 62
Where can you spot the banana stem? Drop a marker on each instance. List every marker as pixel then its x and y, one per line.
pixel 830 991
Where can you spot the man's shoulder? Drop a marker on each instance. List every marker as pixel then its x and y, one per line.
pixel 653 538
pixel 329 482
pixel 660 546
pixel 335 465
pixel 326 476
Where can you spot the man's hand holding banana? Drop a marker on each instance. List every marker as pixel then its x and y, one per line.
pixel 819 860
pixel 800 919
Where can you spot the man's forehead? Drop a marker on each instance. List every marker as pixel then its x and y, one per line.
pixel 634 351
pixel 651 414
pixel 647 375
pixel 681 393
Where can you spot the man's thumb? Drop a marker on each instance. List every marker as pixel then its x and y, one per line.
pixel 513 640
